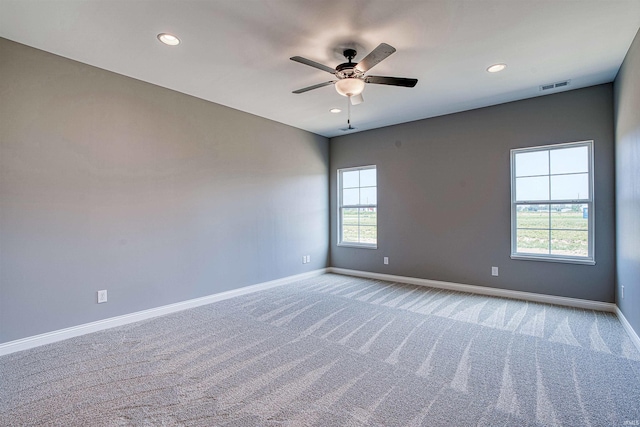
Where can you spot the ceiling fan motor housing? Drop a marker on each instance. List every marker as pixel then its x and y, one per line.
pixel 348 70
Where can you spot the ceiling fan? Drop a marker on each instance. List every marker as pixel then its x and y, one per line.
pixel 351 77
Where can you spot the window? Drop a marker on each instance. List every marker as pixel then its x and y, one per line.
pixel 358 207
pixel 552 203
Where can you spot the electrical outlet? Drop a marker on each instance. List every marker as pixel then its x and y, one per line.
pixel 102 296
pixel 622 292
pixel 304 259
pixel 385 260
pixel 308 259
pixel 494 271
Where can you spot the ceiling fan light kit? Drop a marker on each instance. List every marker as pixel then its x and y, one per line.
pixel 350 86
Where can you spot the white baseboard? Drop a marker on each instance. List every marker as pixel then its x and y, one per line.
pixel 483 290
pixel 74 331
pixel 627 327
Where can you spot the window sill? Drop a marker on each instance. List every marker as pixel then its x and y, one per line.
pixel 357 245
pixel 524 257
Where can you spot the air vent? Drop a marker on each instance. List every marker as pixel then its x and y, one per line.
pixel 555 85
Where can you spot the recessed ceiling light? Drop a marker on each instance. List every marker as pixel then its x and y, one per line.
pixel 496 68
pixel 169 39
pixel 335 110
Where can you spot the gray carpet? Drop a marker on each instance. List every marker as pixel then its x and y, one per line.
pixel 336 351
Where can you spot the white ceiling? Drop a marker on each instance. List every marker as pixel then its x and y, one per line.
pixel 236 52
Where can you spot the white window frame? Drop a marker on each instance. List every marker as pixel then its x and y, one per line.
pixel 341 206
pixel 590 258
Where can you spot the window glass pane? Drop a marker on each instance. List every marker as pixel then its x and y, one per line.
pixel 350 233
pixel 368 234
pixel 532 241
pixel 532 216
pixel 536 188
pixel 570 160
pixel 368 225
pixel 368 178
pixel 569 217
pixel 350 196
pixel 368 216
pixel 368 196
pixel 570 187
pixel 350 216
pixel 573 243
pixel 534 163
pixel 350 179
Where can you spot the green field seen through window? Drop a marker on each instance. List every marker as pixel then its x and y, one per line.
pixel 359 225
pixel 556 233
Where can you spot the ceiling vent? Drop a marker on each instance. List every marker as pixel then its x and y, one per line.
pixel 555 85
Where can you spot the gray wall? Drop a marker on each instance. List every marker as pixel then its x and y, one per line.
pixel 627 126
pixel 110 183
pixel 444 194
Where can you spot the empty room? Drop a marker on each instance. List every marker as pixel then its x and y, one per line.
pixel 297 213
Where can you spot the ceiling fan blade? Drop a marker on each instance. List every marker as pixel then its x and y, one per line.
pixel 378 54
pixel 393 81
pixel 356 99
pixel 313 64
pixel 308 88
